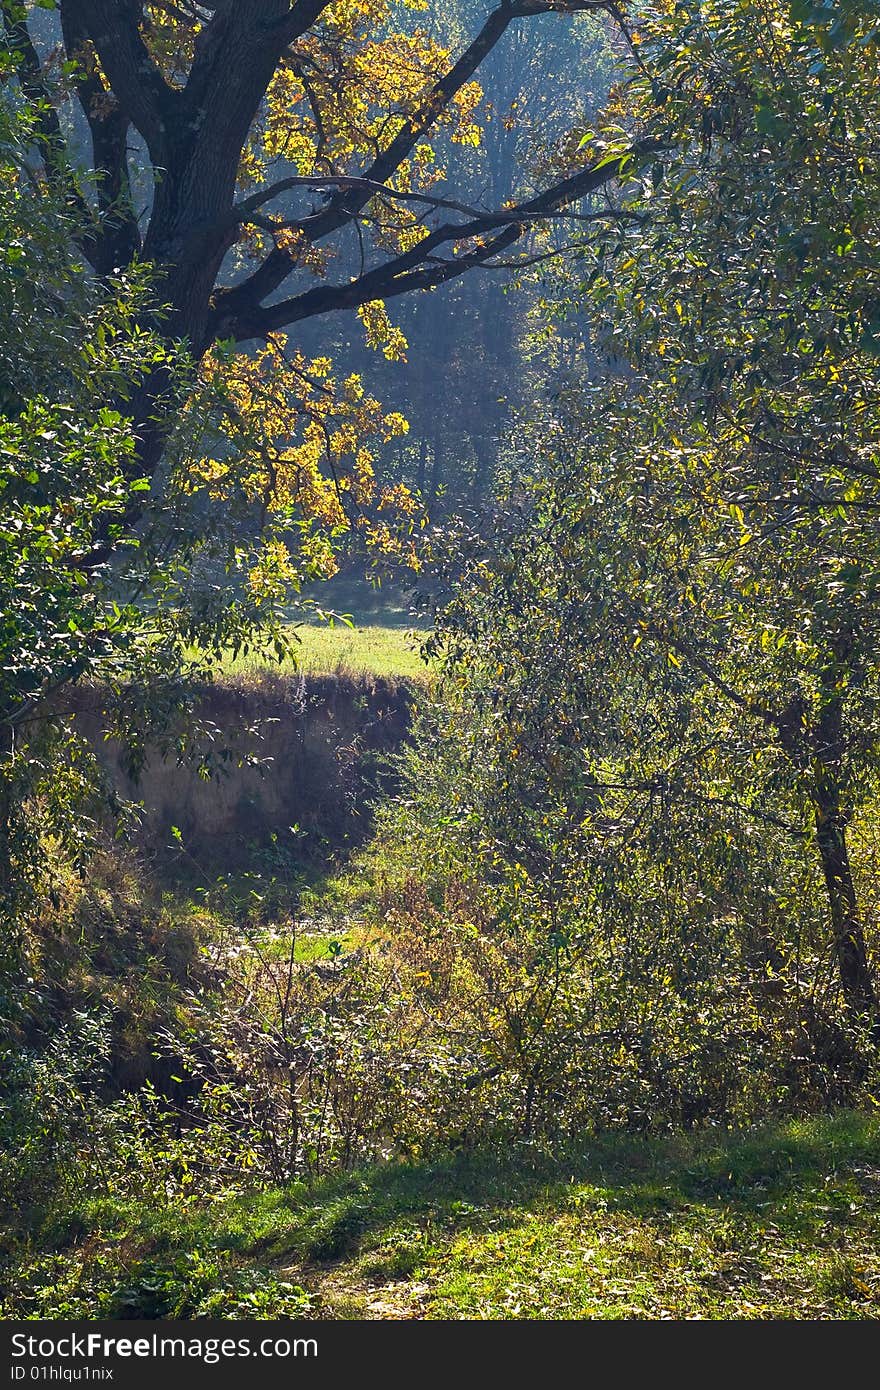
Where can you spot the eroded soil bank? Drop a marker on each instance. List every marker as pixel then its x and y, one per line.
pixel 304 750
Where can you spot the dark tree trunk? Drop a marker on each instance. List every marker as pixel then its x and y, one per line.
pixel 483 470
pixel 831 827
pixel 846 926
pixel 6 809
pixel 423 465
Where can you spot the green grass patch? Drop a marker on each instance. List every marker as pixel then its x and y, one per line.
pixel 781 1223
pixel 374 649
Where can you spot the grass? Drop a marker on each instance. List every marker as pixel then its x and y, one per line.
pixel 373 649
pixel 267 885
pixel 377 650
pixel 383 640
pixel 781 1223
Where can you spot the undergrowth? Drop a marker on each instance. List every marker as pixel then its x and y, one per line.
pixel 781 1222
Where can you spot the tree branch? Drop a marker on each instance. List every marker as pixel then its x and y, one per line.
pixel 240 212
pixel 138 85
pixel 30 76
pixel 346 205
pixel 411 270
pixel 118 239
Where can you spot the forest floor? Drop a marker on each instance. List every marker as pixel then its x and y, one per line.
pixel 778 1223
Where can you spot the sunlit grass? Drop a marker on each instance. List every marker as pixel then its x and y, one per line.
pixel 778 1223
pixel 320 650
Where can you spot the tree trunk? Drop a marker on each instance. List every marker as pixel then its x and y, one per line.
pixel 483 471
pixel 437 467
pixel 6 811
pixel 423 466
pixel 831 827
pixel 846 926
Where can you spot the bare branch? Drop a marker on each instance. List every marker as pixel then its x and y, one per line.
pixel 240 213
pixel 347 204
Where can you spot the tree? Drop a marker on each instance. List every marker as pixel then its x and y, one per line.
pixel 336 99
pixel 530 134
pixel 63 478
pixel 70 345
pixel 219 120
pixel 663 691
pixel 750 296
pixel 207 128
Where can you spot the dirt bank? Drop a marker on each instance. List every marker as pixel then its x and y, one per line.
pixel 320 742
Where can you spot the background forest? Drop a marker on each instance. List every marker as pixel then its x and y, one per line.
pixel 439 704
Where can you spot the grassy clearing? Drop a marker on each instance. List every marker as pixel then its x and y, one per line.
pixel 783 1223
pixel 373 649
pixel 383 640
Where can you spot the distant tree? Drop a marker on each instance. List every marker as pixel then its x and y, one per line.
pixel 478 339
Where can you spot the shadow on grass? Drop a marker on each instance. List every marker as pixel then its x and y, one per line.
pixel 750 1173
pixel 748 1176
pixel 368 606
pixel 811 1188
